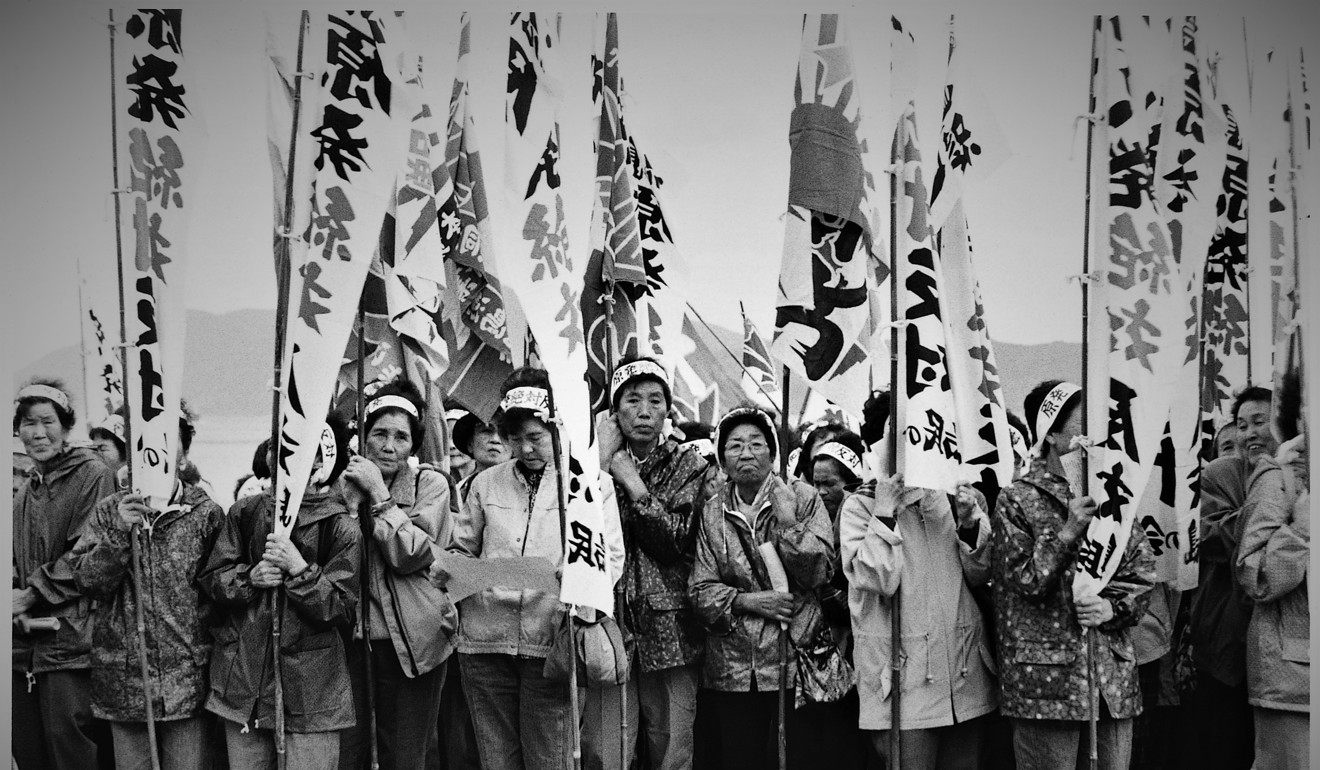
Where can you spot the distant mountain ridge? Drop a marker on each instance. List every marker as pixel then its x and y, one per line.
pixel 228 363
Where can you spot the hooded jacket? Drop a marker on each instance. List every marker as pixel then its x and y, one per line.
pixel 1042 647
pixel 51 510
pixel 318 604
pixel 946 665
pixel 1272 566
pixel 1220 610
pixel 743 649
pixel 175 611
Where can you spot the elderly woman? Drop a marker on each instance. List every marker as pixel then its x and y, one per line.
pixel 1038 526
pixel 522 717
pixel 411 621
pixel 733 595
pixel 52 723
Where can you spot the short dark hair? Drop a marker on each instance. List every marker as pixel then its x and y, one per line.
pixel 1288 413
pixel 67 417
pixel 509 422
pixel 846 438
pixel 260 459
pixel 1031 405
pixel 405 389
pixel 1016 422
pixel 875 413
pixel 1251 393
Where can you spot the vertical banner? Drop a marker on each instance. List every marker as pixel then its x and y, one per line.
pixel 550 287
pixel 823 313
pixel 971 147
pixel 927 415
pixel 156 144
pixel 1135 315
pixel 358 139
pixel 103 386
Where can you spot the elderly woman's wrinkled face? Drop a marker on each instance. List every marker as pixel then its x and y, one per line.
pixel 1226 441
pixel 747 457
pixel 389 443
pixel 40 431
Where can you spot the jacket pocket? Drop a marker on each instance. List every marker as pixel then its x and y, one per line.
pixel 1043 669
pixel 1296 650
pixel 315 673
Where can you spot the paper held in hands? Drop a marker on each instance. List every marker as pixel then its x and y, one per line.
pixel 467 576
pixel 775 569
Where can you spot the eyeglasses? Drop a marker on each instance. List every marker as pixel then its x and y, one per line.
pixel 736 448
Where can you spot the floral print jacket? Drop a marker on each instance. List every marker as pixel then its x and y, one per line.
pixel 1042 648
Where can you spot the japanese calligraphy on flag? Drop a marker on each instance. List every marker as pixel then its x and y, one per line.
pixel 823 314
pixel 1284 267
pixel 985 446
pixel 102 378
pixel 360 135
pixel 549 285
pixel 465 222
pixel 157 141
pixel 1136 335
pixel 927 415
pixel 758 368
pixel 615 275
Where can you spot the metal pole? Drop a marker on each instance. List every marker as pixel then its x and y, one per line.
pixel 365 521
pixel 1092 691
pixel 139 611
pixel 895 429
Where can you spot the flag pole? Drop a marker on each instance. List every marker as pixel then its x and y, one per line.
pixel 784 443
pixel 574 731
pixel 1092 689
pixel 135 534
pixel 365 522
pixel 736 359
pixel 895 428
pixel 283 259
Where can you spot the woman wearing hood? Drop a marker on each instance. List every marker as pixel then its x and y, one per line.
pixel 52 719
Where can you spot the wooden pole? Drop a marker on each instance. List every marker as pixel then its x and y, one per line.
pixel 135 534
pixel 1092 689
pixel 895 430
pixel 365 522
pixel 560 466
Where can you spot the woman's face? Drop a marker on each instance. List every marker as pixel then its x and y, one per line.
pixel 109 452
pixel 389 443
pixel 41 432
pixel 531 444
pixel 487 448
pixel 829 482
pixel 747 456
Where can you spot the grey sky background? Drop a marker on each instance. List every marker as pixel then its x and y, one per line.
pixel 710 92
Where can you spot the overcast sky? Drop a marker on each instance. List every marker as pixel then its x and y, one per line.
pixel 710 92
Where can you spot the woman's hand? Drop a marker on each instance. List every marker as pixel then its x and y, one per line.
pixel 1080 512
pixel 1093 610
pixel 133 510
pixel 22 600
pixel 282 553
pixel 265 575
pixel 969 500
pixel 888 495
pixel 773 605
pixel 366 477
pixel 609 437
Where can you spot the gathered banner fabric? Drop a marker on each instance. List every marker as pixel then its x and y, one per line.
pixel 550 287
pixel 758 378
pixel 971 147
pixel 1136 335
pixel 103 384
pixel 1288 330
pixel 927 417
pixel 360 132
pixel 823 316
pixel 157 142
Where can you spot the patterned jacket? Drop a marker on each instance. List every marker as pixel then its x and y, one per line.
pixel 659 541
pixel 1272 566
pixel 1042 647
pixel 178 636
pixel 743 649
pixel 319 606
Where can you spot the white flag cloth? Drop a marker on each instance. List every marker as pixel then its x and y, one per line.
pixel 360 133
pixel 971 147
pixel 823 313
pixel 158 155
pixel 927 418
pixel 550 285
pixel 103 384
pixel 1136 334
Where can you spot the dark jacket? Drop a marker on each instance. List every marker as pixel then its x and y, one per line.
pixel 1042 647
pixel 50 512
pixel 178 639
pixel 318 604
pixel 659 540
pixel 1220 611
pixel 742 650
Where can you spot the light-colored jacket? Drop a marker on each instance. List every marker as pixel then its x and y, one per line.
pixel 1272 567
pixel 495 522
pixel 744 648
pixel 947 667
pixel 405 606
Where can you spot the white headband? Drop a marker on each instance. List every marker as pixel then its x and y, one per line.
pixel 46 392
pixel 534 399
pixel 703 446
pixel 392 402
pixel 841 453
pixel 1019 442
pixel 636 369
pixel 1049 412
pixel 114 424
pixel 329 453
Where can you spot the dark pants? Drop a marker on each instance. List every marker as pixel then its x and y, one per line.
pixel 1216 731
pixel 407 713
pixel 458 741
pixel 745 731
pixel 830 734
pixel 52 726
pixel 953 747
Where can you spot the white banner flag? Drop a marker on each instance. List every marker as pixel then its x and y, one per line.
pixel 549 283
pixel 103 384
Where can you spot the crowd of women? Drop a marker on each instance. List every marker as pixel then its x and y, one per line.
pixel 754 616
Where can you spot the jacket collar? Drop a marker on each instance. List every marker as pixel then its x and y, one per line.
pixel 1048 482
pixel 764 498
pixel 403 490
pixel 64 464
pixel 315 507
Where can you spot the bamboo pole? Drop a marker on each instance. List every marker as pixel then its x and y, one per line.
pixel 365 522
pixel 1092 689
pixel 135 534
pixel 560 466
pixel 895 429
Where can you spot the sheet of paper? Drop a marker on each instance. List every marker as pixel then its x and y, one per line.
pixel 470 576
